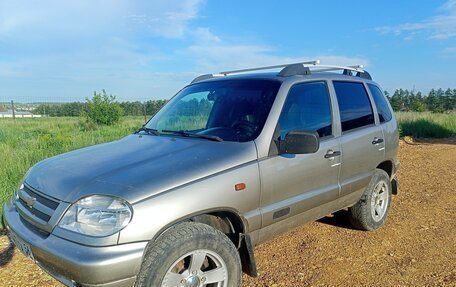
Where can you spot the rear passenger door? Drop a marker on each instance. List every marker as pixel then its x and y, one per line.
pixel 385 116
pixel 362 142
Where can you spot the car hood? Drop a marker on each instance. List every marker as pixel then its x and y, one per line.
pixel 135 167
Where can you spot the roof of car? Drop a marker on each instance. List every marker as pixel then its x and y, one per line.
pixel 290 72
pixel 275 76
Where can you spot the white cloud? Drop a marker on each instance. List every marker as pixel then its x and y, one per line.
pixel 58 49
pixel 449 52
pixel 64 50
pixel 48 17
pixel 84 19
pixel 166 18
pixel 213 54
pixel 204 35
pixel 439 27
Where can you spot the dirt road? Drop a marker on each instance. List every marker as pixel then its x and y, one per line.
pixel 416 247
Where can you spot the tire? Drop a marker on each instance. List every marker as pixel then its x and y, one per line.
pixel 370 212
pixel 168 262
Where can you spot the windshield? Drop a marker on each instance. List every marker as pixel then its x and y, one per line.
pixel 233 110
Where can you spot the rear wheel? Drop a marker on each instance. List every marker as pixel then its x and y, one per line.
pixel 370 212
pixel 191 255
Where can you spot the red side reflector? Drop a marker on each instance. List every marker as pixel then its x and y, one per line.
pixel 239 186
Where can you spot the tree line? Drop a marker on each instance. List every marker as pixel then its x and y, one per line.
pixel 437 101
pixel 75 109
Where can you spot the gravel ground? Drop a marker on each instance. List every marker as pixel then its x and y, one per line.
pixel 416 247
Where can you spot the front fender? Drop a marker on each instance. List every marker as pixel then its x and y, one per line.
pixel 216 193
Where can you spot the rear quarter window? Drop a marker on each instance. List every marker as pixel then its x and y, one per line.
pixel 383 110
pixel 354 105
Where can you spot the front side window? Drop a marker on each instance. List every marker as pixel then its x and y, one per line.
pixel 383 110
pixel 354 105
pixel 308 108
pixel 232 110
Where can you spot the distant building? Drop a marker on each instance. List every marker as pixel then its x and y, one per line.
pixel 18 114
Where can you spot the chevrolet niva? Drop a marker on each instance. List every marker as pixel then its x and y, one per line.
pixel 232 160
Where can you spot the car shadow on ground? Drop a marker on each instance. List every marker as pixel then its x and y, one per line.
pixel 6 254
pixel 338 219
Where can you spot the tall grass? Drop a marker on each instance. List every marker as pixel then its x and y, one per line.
pixel 24 142
pixel 426 124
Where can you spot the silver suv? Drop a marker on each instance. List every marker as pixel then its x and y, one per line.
pixel 231 161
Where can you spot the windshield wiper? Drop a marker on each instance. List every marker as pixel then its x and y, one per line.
pixel 194 135
pixel 148 131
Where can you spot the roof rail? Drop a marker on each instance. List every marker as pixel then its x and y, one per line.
pixel 316 62
pixel 292 66
pixel 301 68
pixel 202 78
pixel 347 70
pixel 327 68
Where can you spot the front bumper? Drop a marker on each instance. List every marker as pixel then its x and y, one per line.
pixel 75 264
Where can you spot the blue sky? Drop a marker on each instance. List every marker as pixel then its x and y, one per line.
pixel 53 50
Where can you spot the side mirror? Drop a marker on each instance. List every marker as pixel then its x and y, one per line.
pixel 299 142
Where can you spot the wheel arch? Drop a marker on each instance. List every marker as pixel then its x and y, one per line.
pixel 230 219
pixel 387 166
pixel 232 224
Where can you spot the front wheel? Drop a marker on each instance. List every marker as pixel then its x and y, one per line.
pixel 191 255
pixel 370 212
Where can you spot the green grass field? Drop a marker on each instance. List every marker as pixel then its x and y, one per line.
pixel 427 125
pixel 24 142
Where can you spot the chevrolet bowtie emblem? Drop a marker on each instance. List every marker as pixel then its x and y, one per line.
pixel 30 201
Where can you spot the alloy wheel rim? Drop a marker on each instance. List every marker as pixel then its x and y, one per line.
pixel 199 268
pixel 379 201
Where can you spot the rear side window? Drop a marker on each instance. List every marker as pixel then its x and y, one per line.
pixel 383 110
pixel 307 107
pixel 354 105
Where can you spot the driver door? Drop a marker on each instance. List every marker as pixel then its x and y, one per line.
pixel 295 186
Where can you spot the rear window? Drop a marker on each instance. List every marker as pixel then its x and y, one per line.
pixel 383 110
pixel 354 105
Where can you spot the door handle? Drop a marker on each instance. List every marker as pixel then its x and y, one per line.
pixel 377 141
pixel 331 154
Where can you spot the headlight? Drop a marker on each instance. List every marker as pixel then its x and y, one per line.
pixel 97 215
pixel 15 194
